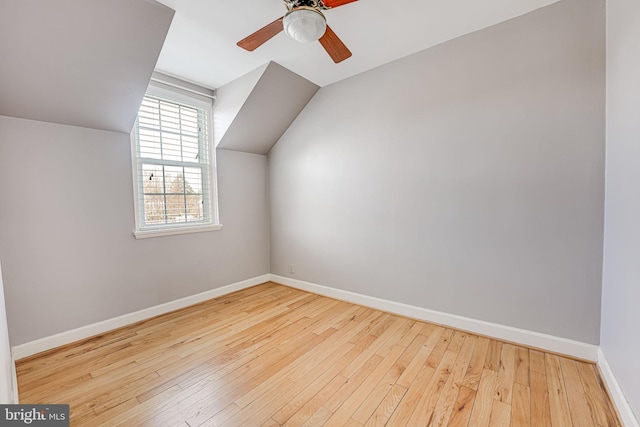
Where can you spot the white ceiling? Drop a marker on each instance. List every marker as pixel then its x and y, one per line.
pixel 201 44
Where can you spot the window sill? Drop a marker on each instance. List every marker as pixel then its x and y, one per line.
pixel 159 232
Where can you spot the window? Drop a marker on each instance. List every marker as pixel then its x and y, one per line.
pixel 174 170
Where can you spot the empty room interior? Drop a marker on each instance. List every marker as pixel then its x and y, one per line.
pixel 321 213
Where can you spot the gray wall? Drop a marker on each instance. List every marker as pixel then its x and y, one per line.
pixel 621 292
pixel 66 221
pixel 467 178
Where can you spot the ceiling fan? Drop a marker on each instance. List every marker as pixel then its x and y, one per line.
pixel 303 22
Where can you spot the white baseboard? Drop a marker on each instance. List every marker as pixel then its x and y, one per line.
pixel 533 339
pixel 624 409
pixel 47 343
pixel 507 333
pixel 521 336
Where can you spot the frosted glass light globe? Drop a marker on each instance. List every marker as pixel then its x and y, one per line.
pixel 304 24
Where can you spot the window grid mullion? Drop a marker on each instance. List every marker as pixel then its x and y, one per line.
pixel 201 149
pixel 164 194
pixel 177 163
pixel 169 132
pixel 180 131
pixel 184 177
pixel 184 193
pixel 140 183
pixel 160 130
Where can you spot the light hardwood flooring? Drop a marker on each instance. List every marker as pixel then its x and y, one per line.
pixel 271 355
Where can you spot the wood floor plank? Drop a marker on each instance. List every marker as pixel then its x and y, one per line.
pixel 474 372
pixel 540 410
pixel 202 411
pixel 272 355
pixel 319 418
pixel 195 400
pixel 462 408
pixel 373 400
pixel 408 356
pixel 431 392
pixel 536 362
pixel 522 366
pixel 447 399
pixel 310 363
pixel 558 402
pixel 456 341
pixel 373 323
pixel 412 333
pixel 521 406
pixel 352 403
pixel 344 314
pixel 310 407
pixel 506 374
pixel 578 407
pixel 500 414
pixel 596 396
pixel 388 333
pixel 481 413
pixel 435 357
pixel 252 413
pixel 418 361
pixel 388 405
pixel 348 387
pixel 323 383
pixel 494 351
pixel 407 405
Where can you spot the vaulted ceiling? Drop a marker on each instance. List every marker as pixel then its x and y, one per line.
pixel 88 63
pixel 201 45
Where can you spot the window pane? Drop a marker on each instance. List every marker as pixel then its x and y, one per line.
pixel 153 194
pixel 170 116
pixel 193 196
pixel 170 132
pixel 171 149
pixel 152 179
pixel 175 179
pixel 190 149
pixel 190 121
pixel 150 143
pixel 175 208
pixel 193 177
pixel 149 114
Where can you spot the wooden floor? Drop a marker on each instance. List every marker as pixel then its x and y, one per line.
pixel 271 355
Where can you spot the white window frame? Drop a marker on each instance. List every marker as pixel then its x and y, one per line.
pixel 143 231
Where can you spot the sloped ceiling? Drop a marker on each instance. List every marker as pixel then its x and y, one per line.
pixel 79 62
pixel 253 111
pixel 201 45
pixel 88 63
pixel 229 100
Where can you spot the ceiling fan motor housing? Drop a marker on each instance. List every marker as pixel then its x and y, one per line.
pixel 316 4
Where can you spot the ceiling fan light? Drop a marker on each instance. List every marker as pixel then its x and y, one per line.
pixel 304 24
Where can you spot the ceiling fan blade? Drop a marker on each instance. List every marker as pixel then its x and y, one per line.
pixel 261 36
pixel 336 3
pixel 334 46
